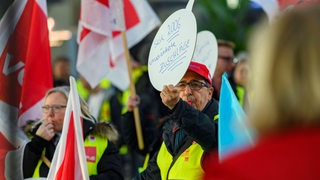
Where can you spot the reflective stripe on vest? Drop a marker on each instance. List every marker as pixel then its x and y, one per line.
pixel 187 166
pixel 94 148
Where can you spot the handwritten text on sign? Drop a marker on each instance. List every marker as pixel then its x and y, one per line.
pixel 172 48
pixel 173 52
pixel 206 50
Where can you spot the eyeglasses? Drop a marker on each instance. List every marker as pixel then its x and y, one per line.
pixel 194 85
pixel 228 59
pixel 55 108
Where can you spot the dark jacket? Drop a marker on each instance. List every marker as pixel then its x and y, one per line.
pixel 186 124
pixel 109 166
pixel 151 124
pixel 152 114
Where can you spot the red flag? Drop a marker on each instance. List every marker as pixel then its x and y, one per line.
pixel 25 59
pixel 25 67
pixel 69 160
pixel 101 55
pixel 68 164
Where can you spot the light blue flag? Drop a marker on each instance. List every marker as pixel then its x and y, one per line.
pixel 233 132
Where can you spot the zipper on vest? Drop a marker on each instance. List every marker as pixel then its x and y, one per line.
pixel 172 163
pixel 177 155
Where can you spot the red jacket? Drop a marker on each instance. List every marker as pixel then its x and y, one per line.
pixel 292 154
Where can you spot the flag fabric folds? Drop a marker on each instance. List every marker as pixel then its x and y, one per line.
pixel 25 76
pixel 69 160
pixel 233 132
pixel 101 48
pixel 273 7
pixel 25 59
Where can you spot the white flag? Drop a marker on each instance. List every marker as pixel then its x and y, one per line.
pixel 274 7
pixel 100 54
pixel 69 159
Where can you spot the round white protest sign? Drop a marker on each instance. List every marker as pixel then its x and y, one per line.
pixel 172 49
pixel 206 50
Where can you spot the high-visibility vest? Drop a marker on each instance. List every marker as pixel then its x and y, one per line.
pixel 94 148
pixel 187 165
pixel 240 94
pixel 83 92
pixel 105 108
pixel 105 111
pixel 146 161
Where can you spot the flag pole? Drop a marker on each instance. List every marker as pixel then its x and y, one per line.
pixel 120 21
pixel 133 92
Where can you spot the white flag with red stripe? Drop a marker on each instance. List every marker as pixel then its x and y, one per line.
pixel 273 7
pixel 101 48
pixel 25 76
pixel 270 7
pixel 69 159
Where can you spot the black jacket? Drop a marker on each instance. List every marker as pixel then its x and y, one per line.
pixel 109 166
pixel 186 124
pixel 152 114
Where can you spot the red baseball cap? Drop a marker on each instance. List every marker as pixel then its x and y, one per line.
pixel 200 69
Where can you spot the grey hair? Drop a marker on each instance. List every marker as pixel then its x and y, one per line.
pixel 65 90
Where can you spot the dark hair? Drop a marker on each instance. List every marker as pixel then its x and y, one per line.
pixel 222 42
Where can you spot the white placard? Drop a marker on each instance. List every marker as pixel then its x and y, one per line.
pixel 206 50
pixel 172 49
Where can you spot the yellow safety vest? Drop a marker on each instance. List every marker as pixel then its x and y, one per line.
pixel 187 166
pixel 105 109
pixel 83 92
pixel 94 148
pixel 240 93
pixel 146 161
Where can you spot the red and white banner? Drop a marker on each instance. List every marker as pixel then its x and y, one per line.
pixel 69 160
pixel 273 7
pixel 101 48
pixel 25 76
pixel 270 7
pixel 283 4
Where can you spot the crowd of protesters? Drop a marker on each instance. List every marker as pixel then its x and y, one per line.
pixel 180 123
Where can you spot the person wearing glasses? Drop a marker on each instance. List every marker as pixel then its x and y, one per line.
pixel 240 79
pixel 191 129
pixel 103 159
pixel 225 63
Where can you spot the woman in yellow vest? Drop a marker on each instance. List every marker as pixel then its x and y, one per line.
pixel 191 130
pixel 102 155
pixel 240 78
